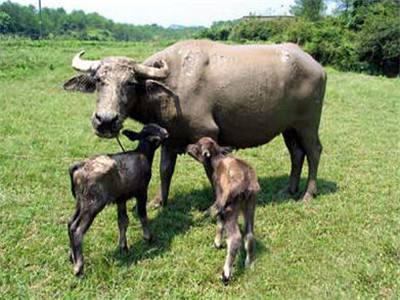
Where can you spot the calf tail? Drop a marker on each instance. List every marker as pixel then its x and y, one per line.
pixel 72 170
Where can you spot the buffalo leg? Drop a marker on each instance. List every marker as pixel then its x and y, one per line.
pixel 297 155
pixel 142 212
pixel 233 243
pixel 167 167
pixel 313 149
pixel 123 222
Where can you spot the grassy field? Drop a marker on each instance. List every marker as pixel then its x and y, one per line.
pixel 345 244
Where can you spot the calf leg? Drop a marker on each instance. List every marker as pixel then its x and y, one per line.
pixel 142 212
pixel 249 229
pixel 71 221
pixel 85 221
pixel 219 234
pixel 313 149
pixel 78 229
pixel 297 159
pixel 167 167
pixel 233 242
pixel 123 222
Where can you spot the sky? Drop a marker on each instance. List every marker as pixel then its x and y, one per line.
pixel 170 12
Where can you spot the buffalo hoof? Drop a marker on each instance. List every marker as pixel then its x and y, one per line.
pixel 286 193
pixel 225 279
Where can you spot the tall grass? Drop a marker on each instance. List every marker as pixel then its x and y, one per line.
pixel 345 244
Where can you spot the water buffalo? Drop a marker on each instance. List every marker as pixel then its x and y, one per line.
pixel 241 96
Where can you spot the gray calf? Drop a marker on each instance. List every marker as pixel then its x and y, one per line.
pixel 235 186
pixel 113 178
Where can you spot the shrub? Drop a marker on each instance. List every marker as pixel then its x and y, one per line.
pixel 5 21
pixel 379 38
pixel 219 31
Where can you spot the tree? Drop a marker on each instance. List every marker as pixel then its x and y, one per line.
pixel 5 21
pixel 309 9
pixel 379 37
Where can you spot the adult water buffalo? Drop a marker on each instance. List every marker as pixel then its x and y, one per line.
pixel 241 96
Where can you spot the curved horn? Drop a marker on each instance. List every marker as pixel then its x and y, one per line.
pixel 84 65
pixel 153 72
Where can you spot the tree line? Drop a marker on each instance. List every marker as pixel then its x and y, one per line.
pixel 20 20
pixel 360 35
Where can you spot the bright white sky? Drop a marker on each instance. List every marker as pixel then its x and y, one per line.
pixel 169 12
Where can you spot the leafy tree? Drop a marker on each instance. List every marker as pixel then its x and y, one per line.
pixel 218 31
pixel 23 19
pixel 309 9
pixel 379 37
pixel 5 21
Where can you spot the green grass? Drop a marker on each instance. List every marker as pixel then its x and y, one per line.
pixel 345 244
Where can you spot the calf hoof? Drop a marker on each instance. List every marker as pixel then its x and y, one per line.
pixel 71 257
pixel 123 250
pixel 157 202
pixel 78 270
pixel 148 238
pixel 225 279
pixel 218 245
pixel 307 197
pixel 248 262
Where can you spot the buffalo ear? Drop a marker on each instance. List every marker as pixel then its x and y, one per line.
pixel 81 83
pixel 164 101
pixel 132 135
pixel 155 89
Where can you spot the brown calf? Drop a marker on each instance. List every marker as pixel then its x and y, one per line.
pixel 235 186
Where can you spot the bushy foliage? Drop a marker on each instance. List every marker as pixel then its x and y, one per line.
pixel 260 30
pixel 219 31
pixel 308 9
pixel 379 38
pixel 328 41
pixel 5 21
pixel 21 20
pixel 364 35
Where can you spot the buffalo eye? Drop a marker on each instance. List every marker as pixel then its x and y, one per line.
pixel 98 81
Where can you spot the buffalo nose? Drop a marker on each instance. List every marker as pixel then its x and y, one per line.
pixel 106 122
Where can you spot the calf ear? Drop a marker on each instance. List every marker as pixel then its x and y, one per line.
pixel 81 83
pixel 154 139
pixel 132 135
pixel 194 151
pixel 225 150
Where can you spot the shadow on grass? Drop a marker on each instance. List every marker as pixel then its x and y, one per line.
pixel 174 219
pixel 177 218
pixel 271 186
